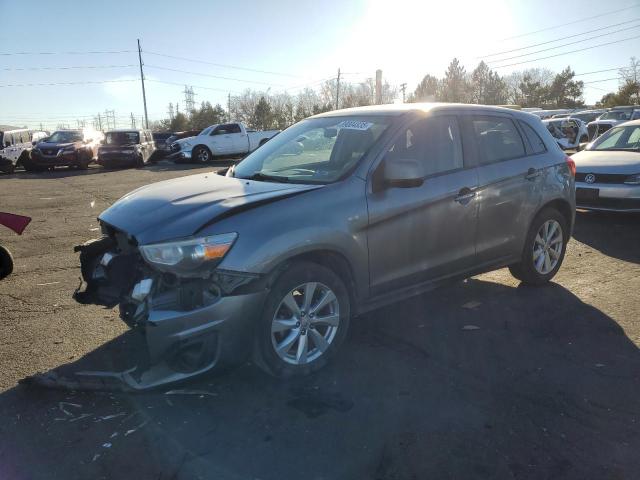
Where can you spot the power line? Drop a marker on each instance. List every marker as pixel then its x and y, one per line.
pixel 212 76
pixel 597 71
pixel 67 68
pixel 222 65
pixel 558 39
pixel 196 86
pixel 64 83
pixel 604 14
pixel 66 53
pixel 566 53
pixel 563 45
pixel 317 82
pixel 602 80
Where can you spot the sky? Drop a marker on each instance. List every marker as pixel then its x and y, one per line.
pixel 280 45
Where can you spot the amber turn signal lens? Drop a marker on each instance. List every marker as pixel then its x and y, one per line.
pixel 215 251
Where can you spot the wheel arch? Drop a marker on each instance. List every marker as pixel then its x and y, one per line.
pixel 24 155
pixel 202 145
pixel 562 206
pixel 331 259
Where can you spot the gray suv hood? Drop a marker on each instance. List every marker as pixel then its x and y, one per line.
pixel 181 207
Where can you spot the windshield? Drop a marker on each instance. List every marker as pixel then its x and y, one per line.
pixel 122 138
pixel 586 117
pixel 66 137
pixel 616 115
pixel 619 138
pixel 320 150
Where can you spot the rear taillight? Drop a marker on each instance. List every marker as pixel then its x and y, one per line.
pixel 572 166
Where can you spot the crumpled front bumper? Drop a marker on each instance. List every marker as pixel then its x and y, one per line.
pixel 190 326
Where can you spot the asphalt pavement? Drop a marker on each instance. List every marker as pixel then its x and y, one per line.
pixel 481 379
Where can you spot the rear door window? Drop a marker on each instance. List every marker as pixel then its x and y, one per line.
pixel 498 139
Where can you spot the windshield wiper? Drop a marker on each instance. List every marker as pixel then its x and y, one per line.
pixel 269 178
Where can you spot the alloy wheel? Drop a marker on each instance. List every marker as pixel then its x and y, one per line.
pixel 305 323
pixel 203 155
pixel 547 247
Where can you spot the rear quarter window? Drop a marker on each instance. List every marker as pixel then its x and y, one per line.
pixel 537 145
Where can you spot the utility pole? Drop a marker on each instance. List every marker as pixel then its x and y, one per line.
pixel 229 107
pixel 99 122
pixel 144 95
pixel 403 87
pixel 378 87
pixel 133 121
pixel 338 90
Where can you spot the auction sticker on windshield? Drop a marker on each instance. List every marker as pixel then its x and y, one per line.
pixel 354 125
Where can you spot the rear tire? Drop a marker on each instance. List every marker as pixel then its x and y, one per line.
pixel 6 263
pixel 544 248
pixel 9 169
pixel 298 335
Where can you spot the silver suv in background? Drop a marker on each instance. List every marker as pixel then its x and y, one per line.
pixel 611 118
pixel 339 214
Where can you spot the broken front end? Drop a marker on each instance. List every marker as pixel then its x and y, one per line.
pixel 193 315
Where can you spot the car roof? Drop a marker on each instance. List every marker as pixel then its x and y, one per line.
pixel 630 123
pixel 124 130
pixel 9 128
pixel 397 109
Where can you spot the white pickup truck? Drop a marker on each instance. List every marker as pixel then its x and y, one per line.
pixel 229 139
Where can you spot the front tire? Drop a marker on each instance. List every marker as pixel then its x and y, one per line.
pixel 305 320
pixel 83 162
pixel 201 155
pixel 544 248
pixel 6 263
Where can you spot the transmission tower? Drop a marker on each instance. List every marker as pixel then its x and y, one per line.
pixel 170 112
pixel 189 101
pixel 110 116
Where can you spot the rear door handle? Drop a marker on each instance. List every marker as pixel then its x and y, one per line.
pixel 532 174
pixel 465 196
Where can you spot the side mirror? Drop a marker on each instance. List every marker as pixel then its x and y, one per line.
pixel 403 173
pixel 330 132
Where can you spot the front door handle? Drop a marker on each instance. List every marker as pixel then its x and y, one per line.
pixel 465 196
pixel 532 174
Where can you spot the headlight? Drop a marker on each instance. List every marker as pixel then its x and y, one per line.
pixel 189 257
pixel 633 179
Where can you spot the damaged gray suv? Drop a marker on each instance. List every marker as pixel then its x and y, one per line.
pixel 337 215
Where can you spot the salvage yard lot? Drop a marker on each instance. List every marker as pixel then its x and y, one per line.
pixel 482 379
